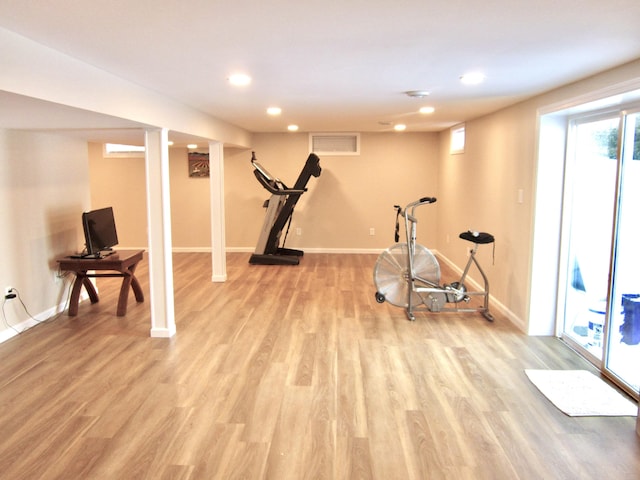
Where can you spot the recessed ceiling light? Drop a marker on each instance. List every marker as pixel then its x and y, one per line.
pixel 239 79
pixel 427 110
pixel 192 146
pixel 274 110
pixel 400 127
pixel 292 128
pixel 417 93
pixel 472 78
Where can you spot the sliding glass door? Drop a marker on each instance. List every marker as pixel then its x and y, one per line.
pixel 589 211
pixel 622 355
pixel 600 301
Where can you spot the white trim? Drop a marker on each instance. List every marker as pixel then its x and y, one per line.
pixel 42 317
pixel 21 327
pixel 218 242
pixel 366 251
pixel 174 249
pixel 546 232
pixel 240 249
pixel 160 261
pixel 162 332
pixel 191 250
pixel 494 304
pixel 593 96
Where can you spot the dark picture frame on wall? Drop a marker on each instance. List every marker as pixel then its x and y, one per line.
pixel 198 164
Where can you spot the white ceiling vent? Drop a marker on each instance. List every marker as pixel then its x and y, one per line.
pixel 334 143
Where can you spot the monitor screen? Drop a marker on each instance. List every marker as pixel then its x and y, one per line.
pixel 99 230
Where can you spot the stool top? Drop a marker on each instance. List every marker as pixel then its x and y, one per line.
pixel 477 237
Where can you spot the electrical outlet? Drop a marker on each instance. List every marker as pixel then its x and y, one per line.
pixel 298 231
pixel 372 231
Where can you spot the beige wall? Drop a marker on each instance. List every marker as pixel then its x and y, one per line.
pixel 479 191
pixel 120 183
pixel 352 195
pixel 44 188
pixel 190 205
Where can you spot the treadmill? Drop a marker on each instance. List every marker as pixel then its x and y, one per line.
pixel 280 208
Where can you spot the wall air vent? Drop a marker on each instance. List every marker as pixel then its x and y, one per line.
pixel 327 144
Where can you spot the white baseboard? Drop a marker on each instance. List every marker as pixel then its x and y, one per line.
pixel 366 251
pixel 314 250
pixel 9 332
pixel 162 332
pixel 37 319
pixel 252 249
pixel 493 302
pixel 240 249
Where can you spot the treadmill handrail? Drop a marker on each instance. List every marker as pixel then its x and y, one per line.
pixel 292 191
pixel 263 171
pixel 277 188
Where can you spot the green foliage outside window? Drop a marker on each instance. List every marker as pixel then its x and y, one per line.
pixel 610 140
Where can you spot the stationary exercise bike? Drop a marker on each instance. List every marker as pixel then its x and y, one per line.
pixel 407 275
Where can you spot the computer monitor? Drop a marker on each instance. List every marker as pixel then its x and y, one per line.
pixel 100 233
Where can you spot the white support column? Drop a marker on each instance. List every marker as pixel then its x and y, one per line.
pixel 218 244
pixel 159 232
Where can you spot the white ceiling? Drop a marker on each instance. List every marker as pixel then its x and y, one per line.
pixel 337 65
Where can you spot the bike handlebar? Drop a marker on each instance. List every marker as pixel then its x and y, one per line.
pixel 409 216
pixel 413 205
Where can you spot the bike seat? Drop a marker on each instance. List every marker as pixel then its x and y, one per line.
pixel 477 237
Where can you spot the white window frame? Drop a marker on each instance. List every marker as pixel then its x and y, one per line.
pixel 458 138
pixel 335 153
pixel 117 150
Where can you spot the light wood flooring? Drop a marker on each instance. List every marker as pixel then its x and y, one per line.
pixel 291 373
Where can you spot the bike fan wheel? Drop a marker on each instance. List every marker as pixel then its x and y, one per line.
pixel 391 273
